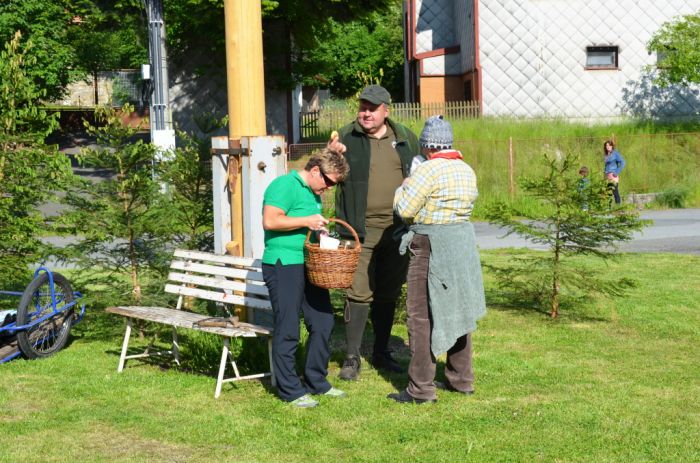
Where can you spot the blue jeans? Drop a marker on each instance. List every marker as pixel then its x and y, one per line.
pixel 614 189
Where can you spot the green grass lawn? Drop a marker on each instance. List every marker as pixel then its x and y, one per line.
pixel 618 381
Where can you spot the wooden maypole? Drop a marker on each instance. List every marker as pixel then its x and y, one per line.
pixel 246 98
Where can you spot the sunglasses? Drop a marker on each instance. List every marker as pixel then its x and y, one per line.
pixel 329 183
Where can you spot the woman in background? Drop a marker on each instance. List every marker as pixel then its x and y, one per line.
pixel 614 163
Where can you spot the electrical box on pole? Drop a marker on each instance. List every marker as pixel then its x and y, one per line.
pixel 162 133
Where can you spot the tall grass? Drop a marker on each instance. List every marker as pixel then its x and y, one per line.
pixel 656 160
pixel 659 157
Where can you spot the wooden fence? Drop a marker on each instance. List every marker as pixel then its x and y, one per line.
pixel 452 110
pixel 316 125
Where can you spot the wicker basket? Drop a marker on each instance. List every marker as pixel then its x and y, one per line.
pixel 331 268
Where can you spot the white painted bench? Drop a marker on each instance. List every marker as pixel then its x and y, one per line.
pixel 230 280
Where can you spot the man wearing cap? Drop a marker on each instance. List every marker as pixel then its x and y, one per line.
pixel 379 152
pixel 445 295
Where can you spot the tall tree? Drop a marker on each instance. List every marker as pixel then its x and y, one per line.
pixel 46 24
pixel 106 37
pixel 30 171
pixel 75 38
pixel 197 26
pixel 677 44
pixel 345 50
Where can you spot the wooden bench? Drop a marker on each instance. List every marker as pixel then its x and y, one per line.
pixel 230 280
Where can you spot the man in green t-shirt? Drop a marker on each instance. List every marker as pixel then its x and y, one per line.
pixel 291 207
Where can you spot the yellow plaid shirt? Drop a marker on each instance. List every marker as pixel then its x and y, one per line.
pixel 439 191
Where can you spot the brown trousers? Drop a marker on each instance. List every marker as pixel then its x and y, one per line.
pixel 421 369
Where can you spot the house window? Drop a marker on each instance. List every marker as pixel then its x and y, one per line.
pixel 601 57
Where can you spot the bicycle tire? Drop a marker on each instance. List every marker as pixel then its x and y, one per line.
pixel 49 336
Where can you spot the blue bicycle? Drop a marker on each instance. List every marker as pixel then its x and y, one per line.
pixel 40 326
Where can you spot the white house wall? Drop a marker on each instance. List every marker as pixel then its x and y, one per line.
pixel 442 65
pixel 442 24
pixel 435 26
pixel 533 54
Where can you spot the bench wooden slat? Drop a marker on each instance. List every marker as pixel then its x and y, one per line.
pixel 235 299
pixel 221 259
pixel 239 273
pixel 219 283
pixel 226 279
pixel 184 319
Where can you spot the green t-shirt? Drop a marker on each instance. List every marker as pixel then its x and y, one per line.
pixel 291 194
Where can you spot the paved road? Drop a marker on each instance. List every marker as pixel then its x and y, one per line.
pixel 675 230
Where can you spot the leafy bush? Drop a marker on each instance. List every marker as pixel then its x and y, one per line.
pixel 675 198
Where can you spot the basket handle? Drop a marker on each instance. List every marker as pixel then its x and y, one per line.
pixel 343 223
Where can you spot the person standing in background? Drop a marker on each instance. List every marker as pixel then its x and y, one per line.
pixel 582 186
pixel 614 163
pixel 379 152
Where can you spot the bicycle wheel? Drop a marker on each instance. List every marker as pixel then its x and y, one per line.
pixel 48 336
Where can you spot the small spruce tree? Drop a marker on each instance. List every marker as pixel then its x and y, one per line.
pixel 114 218
pixel 187 210
pixel 574 219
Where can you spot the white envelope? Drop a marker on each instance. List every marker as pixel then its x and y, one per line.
pixel 329 243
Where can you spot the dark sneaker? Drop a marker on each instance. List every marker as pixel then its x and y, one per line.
pixel 351 368
pixel 404 397
pixel 384 361
pixel 446 386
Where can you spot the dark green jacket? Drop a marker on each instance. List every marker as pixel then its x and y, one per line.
pixel 351 195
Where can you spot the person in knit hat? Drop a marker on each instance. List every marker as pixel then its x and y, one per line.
pixel 436 134
pixel 445 293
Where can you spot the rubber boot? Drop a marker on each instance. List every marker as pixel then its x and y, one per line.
pixel 382 322
pixel 355 320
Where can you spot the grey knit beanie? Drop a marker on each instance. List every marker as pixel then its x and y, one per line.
pixel 437 133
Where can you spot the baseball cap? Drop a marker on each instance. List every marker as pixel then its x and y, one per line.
pixel 376 94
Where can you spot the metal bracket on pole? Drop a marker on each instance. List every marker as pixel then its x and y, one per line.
pixel 224 162
pixel 252 162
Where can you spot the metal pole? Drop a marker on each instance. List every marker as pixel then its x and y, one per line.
pixel 162 134
pixel 511 169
